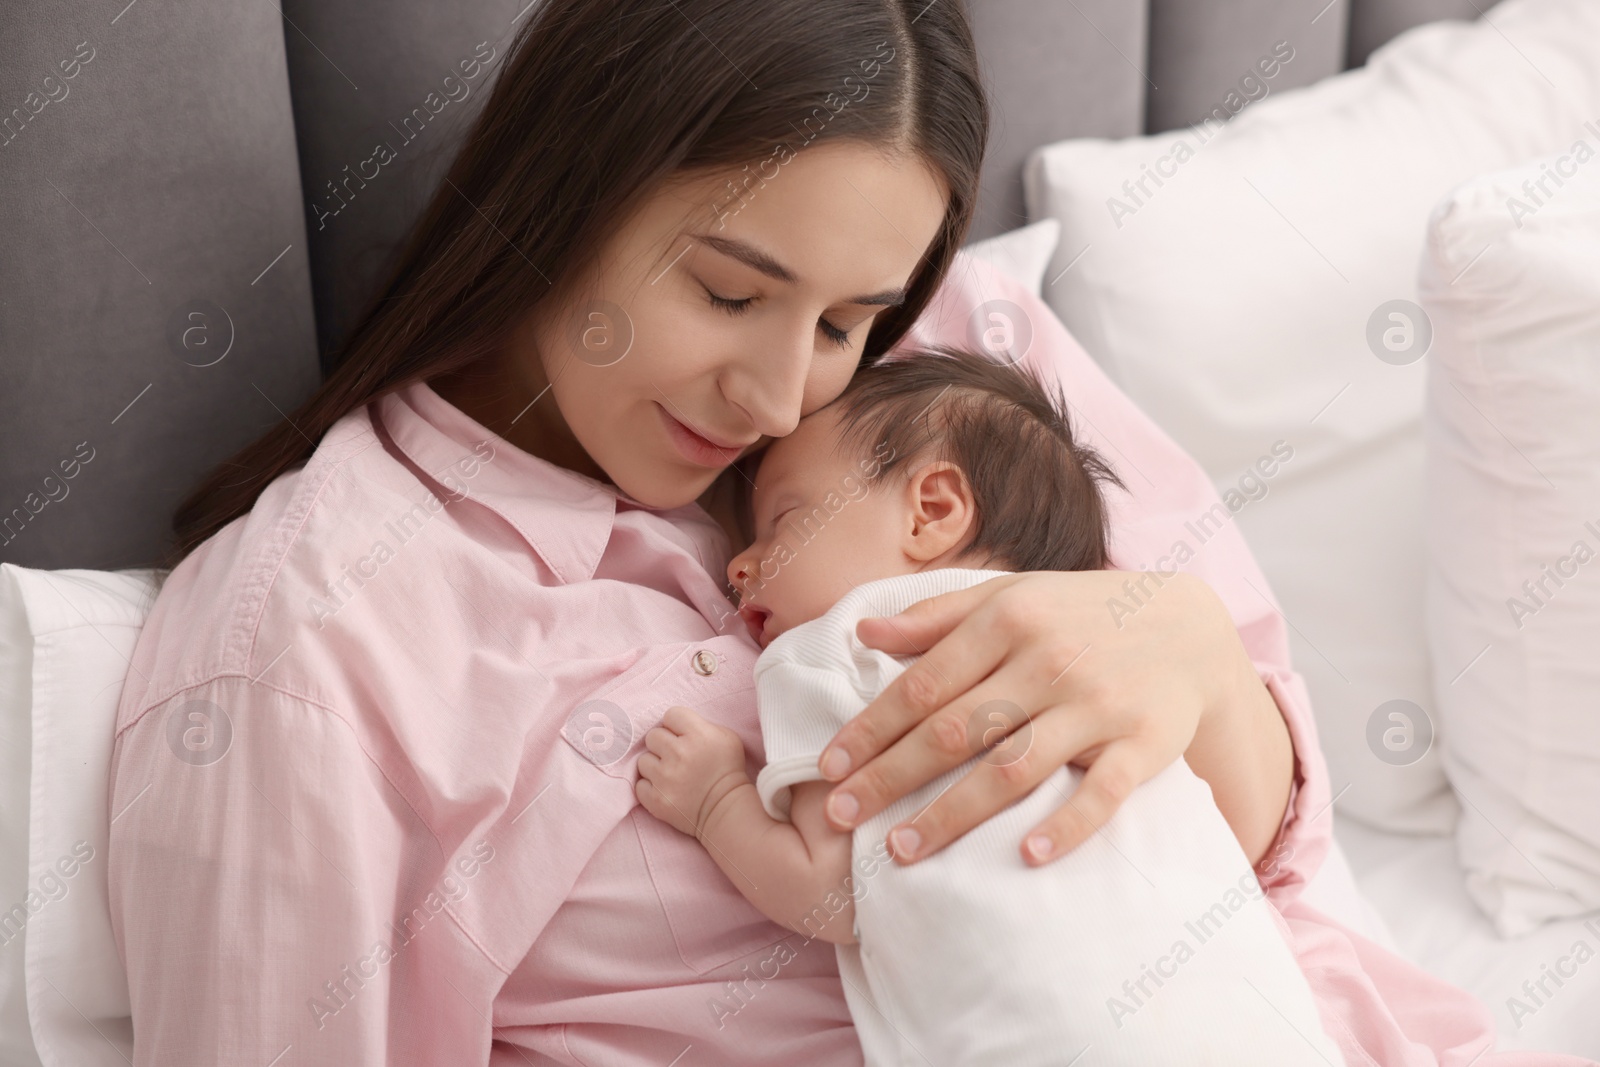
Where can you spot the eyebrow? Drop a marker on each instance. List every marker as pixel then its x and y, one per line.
pixel 756 259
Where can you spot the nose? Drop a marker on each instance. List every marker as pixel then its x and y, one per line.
pixel 770 385
pixel 739 571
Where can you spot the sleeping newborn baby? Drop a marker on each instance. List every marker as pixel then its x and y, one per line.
pixel 1151 943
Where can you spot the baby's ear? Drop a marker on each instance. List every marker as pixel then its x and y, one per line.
pixel 942 510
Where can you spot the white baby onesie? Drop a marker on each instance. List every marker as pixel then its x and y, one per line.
pixel 1149 944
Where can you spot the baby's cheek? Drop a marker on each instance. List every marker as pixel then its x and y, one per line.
pixel 799 586
pixel 828 571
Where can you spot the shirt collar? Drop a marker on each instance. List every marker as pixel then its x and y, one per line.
pixel 565 517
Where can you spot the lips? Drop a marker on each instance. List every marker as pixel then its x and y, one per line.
pixel 755 619
pixel 718 442
pixel 696 447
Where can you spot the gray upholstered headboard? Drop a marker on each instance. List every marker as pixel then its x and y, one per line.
pixel 171 257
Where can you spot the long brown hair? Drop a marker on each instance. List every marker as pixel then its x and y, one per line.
pixel 601 101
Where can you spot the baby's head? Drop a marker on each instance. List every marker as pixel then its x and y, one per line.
pixel 941 458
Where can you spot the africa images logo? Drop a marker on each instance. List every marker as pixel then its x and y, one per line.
pixel 199 732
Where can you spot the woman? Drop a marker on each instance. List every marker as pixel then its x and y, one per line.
pixel 372 786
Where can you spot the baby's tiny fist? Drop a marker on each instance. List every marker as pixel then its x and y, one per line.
pixel 661 788
pixel 688 765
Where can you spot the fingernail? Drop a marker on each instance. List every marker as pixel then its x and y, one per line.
pixel 1039 847
pixel 844 808
pixel 905 842
pixel 835 763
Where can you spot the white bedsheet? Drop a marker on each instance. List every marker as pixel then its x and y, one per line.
pixel 1417 887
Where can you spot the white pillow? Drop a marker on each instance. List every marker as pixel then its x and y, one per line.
pixel 1511 282
pixel 65 639
pixel 16 755
pixel 1234 301
pixel 1023 253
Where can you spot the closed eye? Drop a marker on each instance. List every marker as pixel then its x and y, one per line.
pixel 840 338
pixel 732 307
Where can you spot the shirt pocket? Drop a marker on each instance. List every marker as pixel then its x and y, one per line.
pixel 711 922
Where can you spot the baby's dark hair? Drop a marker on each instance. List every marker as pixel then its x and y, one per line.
pixel 1037 488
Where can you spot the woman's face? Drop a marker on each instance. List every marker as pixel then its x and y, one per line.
pixel 715 324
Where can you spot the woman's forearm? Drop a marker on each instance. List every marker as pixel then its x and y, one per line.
pixel 1242 749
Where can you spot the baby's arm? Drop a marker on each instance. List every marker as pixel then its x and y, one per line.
pixel 692 778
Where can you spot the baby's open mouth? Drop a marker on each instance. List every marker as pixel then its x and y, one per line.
pixel 755 618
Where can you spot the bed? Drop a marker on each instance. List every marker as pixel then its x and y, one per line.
pixel 179 264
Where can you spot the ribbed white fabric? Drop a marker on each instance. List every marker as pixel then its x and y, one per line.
pixel 1149 944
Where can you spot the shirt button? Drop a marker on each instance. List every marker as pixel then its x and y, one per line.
pixel 705 662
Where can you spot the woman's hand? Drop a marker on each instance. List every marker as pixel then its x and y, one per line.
pixel 1118 671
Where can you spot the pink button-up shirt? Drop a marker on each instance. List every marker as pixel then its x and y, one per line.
pixel 372 786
